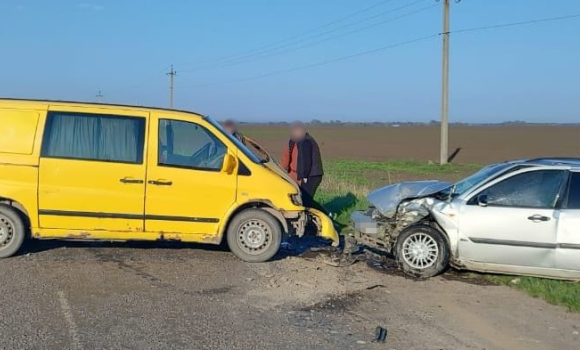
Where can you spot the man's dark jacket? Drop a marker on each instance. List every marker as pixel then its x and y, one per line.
pixel 309 159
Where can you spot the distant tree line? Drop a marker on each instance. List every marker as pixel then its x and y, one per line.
pixel 433 122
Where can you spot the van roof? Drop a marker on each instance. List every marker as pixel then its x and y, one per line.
pixel 80 103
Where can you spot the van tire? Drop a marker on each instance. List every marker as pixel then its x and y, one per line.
pixel 254 235
pixel 429 240
pixel 12 231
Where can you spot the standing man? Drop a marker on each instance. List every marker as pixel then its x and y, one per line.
pixel 231 128
pixel 302 160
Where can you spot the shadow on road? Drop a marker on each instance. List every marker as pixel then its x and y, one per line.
pixel 38 246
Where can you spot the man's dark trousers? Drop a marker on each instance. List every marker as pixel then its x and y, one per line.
pixel 308 190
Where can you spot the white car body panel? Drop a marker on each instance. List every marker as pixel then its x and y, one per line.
pixel 486 238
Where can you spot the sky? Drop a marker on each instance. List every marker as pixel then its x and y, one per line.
pixel 282 60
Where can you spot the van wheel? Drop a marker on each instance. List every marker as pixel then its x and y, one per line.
pixel 422 251
pixel 254 235
pixel 12 231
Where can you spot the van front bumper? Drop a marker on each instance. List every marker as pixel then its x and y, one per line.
pixel 299 221
pixel 324 225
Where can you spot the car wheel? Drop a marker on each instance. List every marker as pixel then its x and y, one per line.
pixel 422 251
pixel 12 231
pixel 254 235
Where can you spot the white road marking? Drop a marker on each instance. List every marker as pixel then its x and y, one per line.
pixel 68 316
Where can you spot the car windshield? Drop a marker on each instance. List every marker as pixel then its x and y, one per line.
pixel 238 143
pixel 489 171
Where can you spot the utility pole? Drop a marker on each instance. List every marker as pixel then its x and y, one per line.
pixel 172 73
pixel 99 96
pixel 445 87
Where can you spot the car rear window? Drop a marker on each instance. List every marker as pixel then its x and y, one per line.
pixel 574 192
pixel 96 137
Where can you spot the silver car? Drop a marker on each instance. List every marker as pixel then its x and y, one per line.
pixel 519 217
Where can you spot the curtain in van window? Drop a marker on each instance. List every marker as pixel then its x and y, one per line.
pixel 73 137
pixel 95 137
pixel 118 140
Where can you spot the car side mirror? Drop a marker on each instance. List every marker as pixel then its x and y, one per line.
pixel 482 200
pixel 229 163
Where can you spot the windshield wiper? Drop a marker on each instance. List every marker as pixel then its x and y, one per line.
pixel 452 191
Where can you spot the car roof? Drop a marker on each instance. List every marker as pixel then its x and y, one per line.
pixel 549 161
pixel 95 104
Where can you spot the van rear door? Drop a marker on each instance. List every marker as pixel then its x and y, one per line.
pixel 92 170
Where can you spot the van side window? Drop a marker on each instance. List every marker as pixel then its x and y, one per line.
pixel 188 145
pixel 94 137
pixel 574 191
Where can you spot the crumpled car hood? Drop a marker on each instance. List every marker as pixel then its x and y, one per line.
pixel 387 199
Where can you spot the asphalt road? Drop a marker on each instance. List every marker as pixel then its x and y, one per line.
pixel 151 296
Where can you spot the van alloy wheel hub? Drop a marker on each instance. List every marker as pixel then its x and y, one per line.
pixel 254 236
pixel 6 230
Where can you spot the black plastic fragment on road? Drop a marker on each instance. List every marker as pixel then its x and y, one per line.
pixel 380 335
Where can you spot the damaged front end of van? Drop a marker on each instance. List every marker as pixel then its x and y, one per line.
pixel 295 222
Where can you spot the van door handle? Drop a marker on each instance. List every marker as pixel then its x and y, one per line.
pixel 160 182
pixel 130 180
pixel 538 218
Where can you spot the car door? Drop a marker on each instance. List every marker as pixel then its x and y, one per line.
pixel 92 170
pixel 568 251
pixel 187 191
pixel 513 221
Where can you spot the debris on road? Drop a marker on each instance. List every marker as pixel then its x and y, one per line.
pixel 380 335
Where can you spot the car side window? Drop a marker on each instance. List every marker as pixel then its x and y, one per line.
pixel 532 189
pixel 98 137
pixel 574 192
pixel 189 145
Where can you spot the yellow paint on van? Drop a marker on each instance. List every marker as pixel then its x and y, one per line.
pixel 106 200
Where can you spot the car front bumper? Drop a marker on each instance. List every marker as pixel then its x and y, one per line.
pixel 366 232
pixel 364 224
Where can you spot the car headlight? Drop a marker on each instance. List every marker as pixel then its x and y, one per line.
pixel 296 199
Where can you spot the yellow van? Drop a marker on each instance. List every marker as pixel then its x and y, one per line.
pixel 109 172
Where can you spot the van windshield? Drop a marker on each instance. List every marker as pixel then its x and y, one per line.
pixel 238 143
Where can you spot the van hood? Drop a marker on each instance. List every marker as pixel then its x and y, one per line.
pixel 388 198
pixel 273 166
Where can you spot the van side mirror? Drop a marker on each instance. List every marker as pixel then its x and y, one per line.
pixel 229 163
pixel 482 200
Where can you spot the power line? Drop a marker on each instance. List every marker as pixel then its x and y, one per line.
pixel 243 58
pixel 313 30
pixel 342 58
pixel 334 60
pixel 513 24
pixel 266 54
pixel 330 31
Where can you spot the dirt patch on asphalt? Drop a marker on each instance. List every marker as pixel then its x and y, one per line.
pixel 335 303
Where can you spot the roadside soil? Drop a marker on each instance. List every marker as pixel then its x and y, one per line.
pixel 479 144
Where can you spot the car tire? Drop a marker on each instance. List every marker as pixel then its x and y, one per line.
pixel 254 235
pixel 12 231
pixel 422 251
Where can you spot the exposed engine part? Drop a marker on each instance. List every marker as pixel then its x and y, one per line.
pixel 386 230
